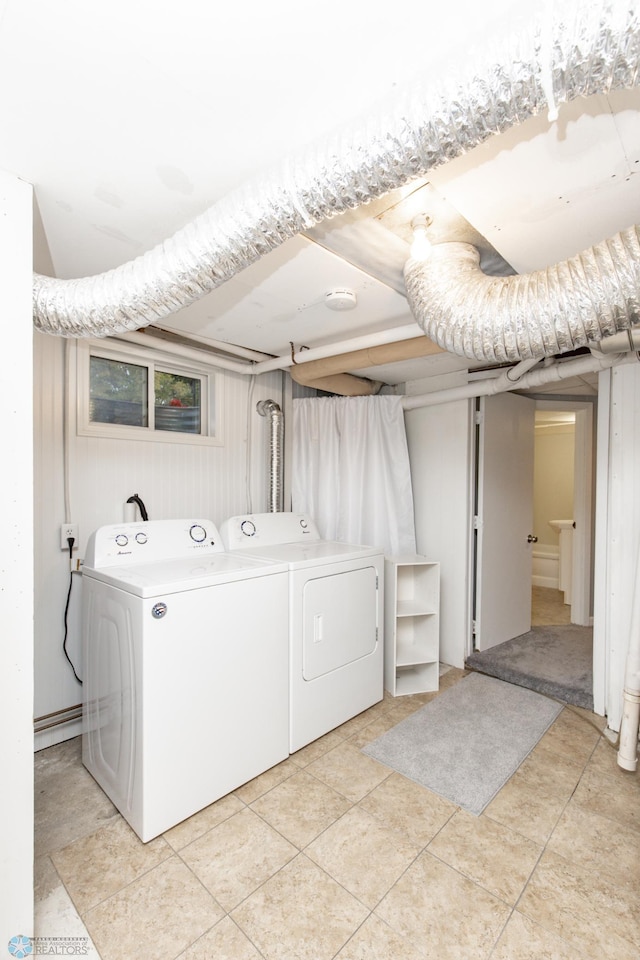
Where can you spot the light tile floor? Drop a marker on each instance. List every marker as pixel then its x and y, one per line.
pixel 331 854
pixel 548 607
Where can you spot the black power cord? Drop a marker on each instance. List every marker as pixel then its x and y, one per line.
pixel 70 541
pixel 134 498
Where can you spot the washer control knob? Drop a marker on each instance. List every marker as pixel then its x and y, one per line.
pixel 122 539
pixel 141 538
pixel 248 527
pixel 198 533
pixel 304 524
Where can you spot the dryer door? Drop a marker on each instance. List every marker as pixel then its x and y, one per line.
pixel 339 620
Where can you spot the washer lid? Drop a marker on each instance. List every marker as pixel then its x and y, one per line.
pixel 312 553
pixel 176 576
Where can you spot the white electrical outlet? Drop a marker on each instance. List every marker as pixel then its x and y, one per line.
pixel 68 531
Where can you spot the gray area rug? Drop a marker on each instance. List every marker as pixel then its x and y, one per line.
pixel 465 744
pixel 554 660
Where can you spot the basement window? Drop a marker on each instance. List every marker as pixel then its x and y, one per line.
pixel 129 392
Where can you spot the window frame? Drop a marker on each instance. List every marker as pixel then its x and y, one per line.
pixel 153 359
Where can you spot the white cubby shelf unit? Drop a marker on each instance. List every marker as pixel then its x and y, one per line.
pixel 412 627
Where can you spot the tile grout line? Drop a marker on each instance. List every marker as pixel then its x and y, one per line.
pixel 352 804
pixel 301 850
pixel 544 851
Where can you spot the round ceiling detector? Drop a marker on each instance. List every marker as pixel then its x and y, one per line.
pixel 340 299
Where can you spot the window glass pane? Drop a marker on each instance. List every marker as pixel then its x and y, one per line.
pixel 118 393
pixel 177 402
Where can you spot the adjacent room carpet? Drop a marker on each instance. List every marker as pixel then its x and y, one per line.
pixel 554 660
pixel 465 744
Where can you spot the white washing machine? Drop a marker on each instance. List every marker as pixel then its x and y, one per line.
pixel 336 618
pixel 185 650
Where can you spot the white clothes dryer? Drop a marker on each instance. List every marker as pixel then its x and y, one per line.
pixel 185 653
pixel 336 617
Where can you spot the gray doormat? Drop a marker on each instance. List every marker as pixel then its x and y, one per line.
pixel 465 744
pixel 554 660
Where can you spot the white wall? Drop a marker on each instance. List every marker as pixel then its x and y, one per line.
pixel 172 479
pixel 439 451
pixel 552 480
pixel 16 593
pixel 617 526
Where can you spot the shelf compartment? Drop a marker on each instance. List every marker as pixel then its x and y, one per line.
pixel 413 608
pixel 417 584
pixel 412 628
pixel 417 639
pixel 417 679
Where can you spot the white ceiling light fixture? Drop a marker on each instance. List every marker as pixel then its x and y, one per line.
pixel 340 299
pixel 421 246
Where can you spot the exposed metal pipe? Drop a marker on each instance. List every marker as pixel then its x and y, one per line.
pixel 372 349
pixel 58 717
pixel 595 48
pixel 188 353
pixel 517 378
pixel 408 331
pixel 300 358
pixel 269 408
pixel 621 342
pixel 380 348
pixel 209 344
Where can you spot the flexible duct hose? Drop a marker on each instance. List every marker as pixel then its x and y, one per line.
pixel 595 48
pixel 552 311
pixel 269 408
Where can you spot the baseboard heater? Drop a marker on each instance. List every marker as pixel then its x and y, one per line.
pixel 57 718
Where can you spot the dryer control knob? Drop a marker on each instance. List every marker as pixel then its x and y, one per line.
pixel 248 527
pixel 122 539
pixel 141 538
pixel 304 524
pixel 198 533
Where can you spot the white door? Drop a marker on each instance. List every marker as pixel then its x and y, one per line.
pixel 504 548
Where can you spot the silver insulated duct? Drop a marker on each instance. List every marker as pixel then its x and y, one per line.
pixel 577 302
pixel 573 49
pixel 269 408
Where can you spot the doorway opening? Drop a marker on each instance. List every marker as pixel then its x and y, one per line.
pixel 548 646
pixel 563 507
pixel 553 516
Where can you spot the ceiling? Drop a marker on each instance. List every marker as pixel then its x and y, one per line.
pixel 132 118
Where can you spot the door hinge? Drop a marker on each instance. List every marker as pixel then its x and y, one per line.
pixel 478 418
pixel 477 523
pixel 474 628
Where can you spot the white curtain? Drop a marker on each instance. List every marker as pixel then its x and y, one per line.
pixel 351 470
